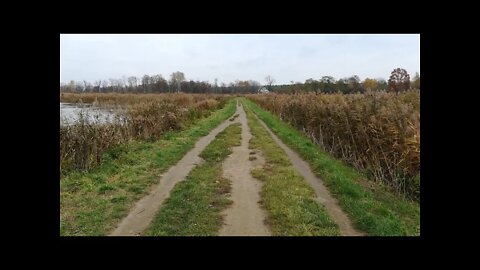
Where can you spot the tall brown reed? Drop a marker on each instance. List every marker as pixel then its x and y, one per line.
pixel 378 133
pixel 140 117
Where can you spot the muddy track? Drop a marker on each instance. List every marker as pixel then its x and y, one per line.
pixel 244 217
pixel 143 212
pixel 323 195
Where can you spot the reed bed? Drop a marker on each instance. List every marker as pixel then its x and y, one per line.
pixel 115 100
pixel 378 133
pixel 139 117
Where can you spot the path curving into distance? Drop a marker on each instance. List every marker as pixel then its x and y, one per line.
pixel 323 195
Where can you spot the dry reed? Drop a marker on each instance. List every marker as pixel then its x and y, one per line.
pixel 378 133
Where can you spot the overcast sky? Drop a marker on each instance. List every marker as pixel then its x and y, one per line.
pixel 233 57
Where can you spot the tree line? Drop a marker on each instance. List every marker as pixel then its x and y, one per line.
pixel 399 81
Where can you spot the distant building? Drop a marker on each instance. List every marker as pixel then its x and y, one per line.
pixel 263 90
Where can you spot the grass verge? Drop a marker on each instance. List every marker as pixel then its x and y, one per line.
pixel 292 209
pixel 93 203
pixel 194 205
pixel 371 207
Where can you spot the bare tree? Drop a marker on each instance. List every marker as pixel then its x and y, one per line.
pixel 85 86
pixel 123 83
pixel 113 84
pixel 177 78
pixel 132 82
pixel 145 82
pixel 270 80
pixel 98 84
pixel 71 86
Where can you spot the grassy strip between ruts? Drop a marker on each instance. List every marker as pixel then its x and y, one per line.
pixel 292 209
pixel 92 203
pixel 371 207
pixel 195 204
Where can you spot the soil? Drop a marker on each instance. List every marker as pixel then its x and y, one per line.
pixel 244 217
pixel 145 209
pixel 323 195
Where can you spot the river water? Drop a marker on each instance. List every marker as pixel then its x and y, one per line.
pixel 70 113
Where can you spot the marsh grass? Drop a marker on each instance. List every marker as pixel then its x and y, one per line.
pixel 372 207
pixel 92 202
pixel 378 133
pixel 139 117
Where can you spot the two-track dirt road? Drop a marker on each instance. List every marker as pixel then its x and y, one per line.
pixel 245 217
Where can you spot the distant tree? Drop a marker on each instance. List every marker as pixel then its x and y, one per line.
pixel 97 84
pixel 381 84
pixel 342 85
pixel 123 84
pixel 370 84
pixel 88 87
pixel 162 84
pixel 254 86
pixel 416 81
pixel 312 85
pixel 327 84
pixel 145 83
pixel 186 86
pixel 104 85
pixel 71 86
pixel 113 84
pixel 352 85
pixel 177 78
pixel 79 86
pixel 63 87
pixel 132 83
pixel 270 80
pixel 399 80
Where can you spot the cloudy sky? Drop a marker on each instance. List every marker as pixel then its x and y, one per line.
pixel 231 57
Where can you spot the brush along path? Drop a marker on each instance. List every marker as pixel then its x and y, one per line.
pixel 145 209
pixel 323 195
pixel 244 217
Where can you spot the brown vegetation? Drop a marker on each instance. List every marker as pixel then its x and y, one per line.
pixel 145 117
pixel 376 132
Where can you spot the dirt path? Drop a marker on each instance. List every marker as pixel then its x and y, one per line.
pixel 323 195
pixel 244 217
pixel 145 209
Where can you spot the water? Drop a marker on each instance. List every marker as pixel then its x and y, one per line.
pixel 70 113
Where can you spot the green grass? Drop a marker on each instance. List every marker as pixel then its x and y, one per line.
pixel 194 205
pixel 92 203
pixel 289 201
pixel 372 208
